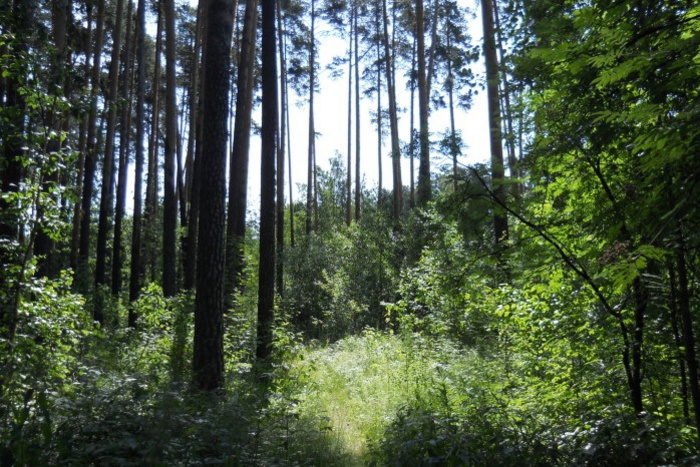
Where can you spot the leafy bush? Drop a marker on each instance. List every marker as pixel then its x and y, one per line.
pixel 482 419
pixel 43 359
pixel 447 293
pixel 336 283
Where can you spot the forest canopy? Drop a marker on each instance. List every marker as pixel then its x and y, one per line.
pixel 539 308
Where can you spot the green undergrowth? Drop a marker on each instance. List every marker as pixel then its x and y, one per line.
pixel 357 388
pixel 382 399
pixel 120 397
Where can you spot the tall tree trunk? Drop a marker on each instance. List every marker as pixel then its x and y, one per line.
pixel 279 274
pixel 170 153
pixel 125 139
pixel 238 177
pixel 674 312
pixel 208 359
pixel 380 129
pixel 500 221
pixel 4 10
pixel 454 147
pixel 190 275
pixel 348 181
pixel 283 61
pixel 311 174
pixel 151 212
pixel 44 245
pixel 90 153
pixel 432 51
pixel 358 181
pixel 397 205
pixel 192 165
pixel 688 326
pixel 181 193
pixel 640 301
pixel 104 225
pixel 82 145
pixel 136 272
pixel 315 207
pixel 510 134
pixel 266 284
pixel 180 174
pixel 412 140
pixel 424 191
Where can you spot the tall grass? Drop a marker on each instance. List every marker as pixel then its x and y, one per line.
pixel 354 388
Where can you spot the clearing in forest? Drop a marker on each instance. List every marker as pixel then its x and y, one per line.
pixel 353 390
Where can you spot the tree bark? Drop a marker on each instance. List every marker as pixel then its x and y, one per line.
pixel 151 212
pixel 412 139
pixel 208 359
pixel 238 177
pixel 358 181
pixel 311 174
pixel 192 165
pixel 180 175
pixel 283 61
pixel 424 191
pixel 190 275
pixel 348 181
pixel 104 225
pixel 125 140
pixel 266 284
pixel 432 51
pixel 380 129
pixel 136 272
pixel 170 153
pixel 44 245
pixel 500 221
pixel 510 134
pixel 397 205
pixel 688 327
pixel 279 273
pixel 674 312
pixel 454 148
pixel 90 153
pixel 82 146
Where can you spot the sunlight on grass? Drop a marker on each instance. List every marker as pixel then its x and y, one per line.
pixel 356 386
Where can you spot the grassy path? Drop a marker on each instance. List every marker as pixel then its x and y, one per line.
pixel 352 390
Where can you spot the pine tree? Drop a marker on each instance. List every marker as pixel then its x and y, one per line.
pixel 238 175
pixel 266 272
pixel 208 360
pixel 170 149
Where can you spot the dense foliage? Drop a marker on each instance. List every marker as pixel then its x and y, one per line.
pixel 545 315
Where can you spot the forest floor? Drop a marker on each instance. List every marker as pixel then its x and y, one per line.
pixel 353 390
